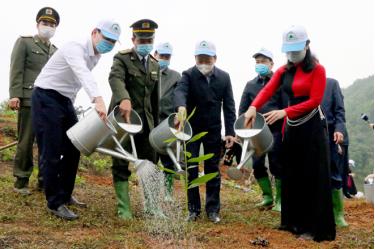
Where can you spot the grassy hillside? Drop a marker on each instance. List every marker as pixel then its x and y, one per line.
pixel 359 98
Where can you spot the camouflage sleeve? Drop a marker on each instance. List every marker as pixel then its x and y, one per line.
pixel 117 80
pixel 17 64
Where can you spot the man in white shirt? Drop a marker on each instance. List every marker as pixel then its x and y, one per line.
pixel 56 87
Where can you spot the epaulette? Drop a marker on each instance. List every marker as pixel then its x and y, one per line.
pixel 27 36
pixel 152 57
pixel 125 51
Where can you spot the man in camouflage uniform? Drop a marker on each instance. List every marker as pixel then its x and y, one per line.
pixel 134 80
pixel 29 55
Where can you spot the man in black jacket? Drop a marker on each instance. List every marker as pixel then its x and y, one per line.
pixel 334 110
pixel 208 89
pixel 263 67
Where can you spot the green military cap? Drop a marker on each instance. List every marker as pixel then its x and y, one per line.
pixel 144 28
pixel 48 14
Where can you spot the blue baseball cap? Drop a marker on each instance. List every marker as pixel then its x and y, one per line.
pixel 109 29
pixel 265 53
pixel 164 48
pixel 205 47
pixel 294 39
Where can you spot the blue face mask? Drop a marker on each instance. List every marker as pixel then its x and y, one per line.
pixel 262 69
pixel 144 49
pixel 104 46
pixel 163 64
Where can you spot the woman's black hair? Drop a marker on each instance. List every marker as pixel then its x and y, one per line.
pixel 308 62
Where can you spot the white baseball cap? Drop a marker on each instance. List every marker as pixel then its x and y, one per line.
pixel 164 48
pixel 110 29
pixel 205 47
pixel 294 39
pixel 265 53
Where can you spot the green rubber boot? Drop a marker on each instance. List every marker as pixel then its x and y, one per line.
pixel 123 200
pixel 338 208
pixel 277 206
pixel 265 185
pixel 169 187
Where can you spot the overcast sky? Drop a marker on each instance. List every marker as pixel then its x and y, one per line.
pixel 341 33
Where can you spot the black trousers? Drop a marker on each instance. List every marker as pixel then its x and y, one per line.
pixel 211 144
pixel 52 115
pixel 274 159
pixel 336 162
pixel 167 162
pixel 348 185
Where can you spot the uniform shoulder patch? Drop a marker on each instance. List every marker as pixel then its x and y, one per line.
pixel 153 58
pixel 125 51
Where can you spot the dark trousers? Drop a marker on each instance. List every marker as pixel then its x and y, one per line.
pixel 23 160
pixel 274 159
pixel 337 161
pixel 211 144
pixel 53 114
pixel 166 161
pixel 120 169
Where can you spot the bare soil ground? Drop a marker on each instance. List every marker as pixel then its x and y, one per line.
pixel 25 223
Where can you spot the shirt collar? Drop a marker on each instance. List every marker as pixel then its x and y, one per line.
pixel 265 78
pixel 37 39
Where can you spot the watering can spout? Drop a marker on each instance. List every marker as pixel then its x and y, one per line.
pixel 127 156
pixel 257 140
pixel 179 169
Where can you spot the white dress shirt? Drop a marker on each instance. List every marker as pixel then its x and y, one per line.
pixel 69 69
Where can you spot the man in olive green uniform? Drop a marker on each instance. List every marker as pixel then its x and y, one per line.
pixel 29 55
pixel 168 82
pixel 134 80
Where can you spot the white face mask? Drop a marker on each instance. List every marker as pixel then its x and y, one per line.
pixel 297 56
pixel 46 32
pixel 205 69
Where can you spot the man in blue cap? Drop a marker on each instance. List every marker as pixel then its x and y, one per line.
pixel 168 82
pixel 56 88
pixel 209 90
pixel 263 68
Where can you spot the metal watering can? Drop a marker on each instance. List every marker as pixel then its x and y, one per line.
pixel 93 134
pixel 165 131
pixel 257 140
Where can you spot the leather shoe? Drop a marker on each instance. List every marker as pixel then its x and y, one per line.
pixel 193 216
pixel 214 217
pixel 64 213
pixel 74 202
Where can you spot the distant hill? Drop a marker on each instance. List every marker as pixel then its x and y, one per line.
pixel 359 98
